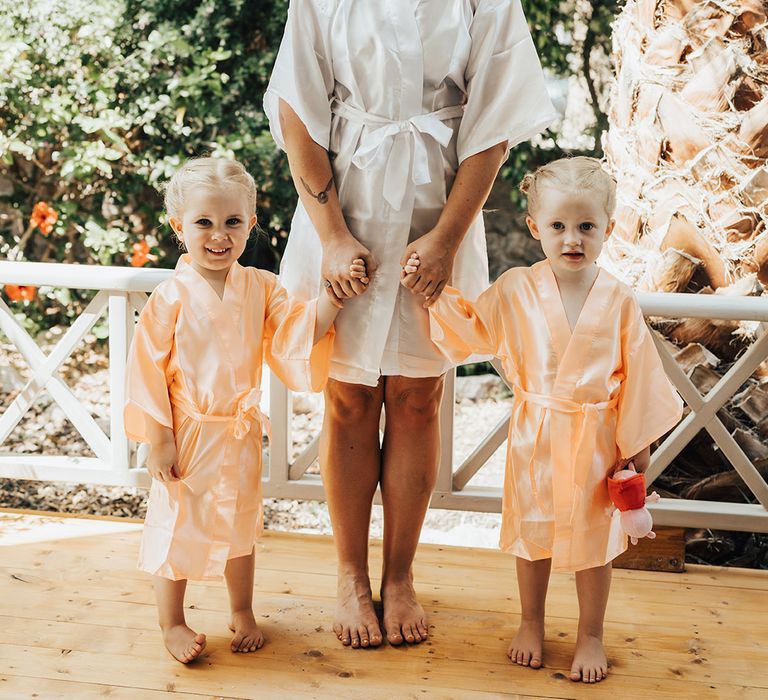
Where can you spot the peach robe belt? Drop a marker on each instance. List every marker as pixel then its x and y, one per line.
pixel 585 443
pixel 375 147
pixel 247 412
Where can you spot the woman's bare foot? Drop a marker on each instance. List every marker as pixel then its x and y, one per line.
pixel 355 623
pixel 526 647
pixel 590 664
pixel 248 636
pixel 183 643
pixel 404 618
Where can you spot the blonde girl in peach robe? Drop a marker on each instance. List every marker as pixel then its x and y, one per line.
pixel 194 373
pixel 589 394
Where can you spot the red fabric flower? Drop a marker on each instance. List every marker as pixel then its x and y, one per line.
pixel 20 292
pixel 43 217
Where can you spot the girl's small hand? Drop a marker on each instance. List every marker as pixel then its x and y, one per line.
pixel 412 264
pixel 161 463
pixel 641 460
pixel 358 271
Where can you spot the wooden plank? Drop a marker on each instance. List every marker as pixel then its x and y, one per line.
pixel 17 687
pixel 346 673
pixel 664 553
pixel 282 550
pixel 455 637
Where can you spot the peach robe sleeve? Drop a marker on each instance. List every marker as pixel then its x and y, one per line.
pixel 461 328
pixel 648 404
pixel 147 381
pixel 289 329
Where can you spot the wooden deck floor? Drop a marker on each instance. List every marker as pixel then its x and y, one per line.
pixel 77 621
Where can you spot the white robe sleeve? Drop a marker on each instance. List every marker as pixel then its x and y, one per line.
pixel 507 99
pixel 302 75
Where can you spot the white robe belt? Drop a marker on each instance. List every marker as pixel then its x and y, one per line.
pixel 376 146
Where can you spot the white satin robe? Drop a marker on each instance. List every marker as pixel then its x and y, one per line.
pixel 400 93
pixel 195 366
pixel 582 399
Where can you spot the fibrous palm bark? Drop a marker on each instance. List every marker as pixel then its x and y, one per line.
pixel 688 144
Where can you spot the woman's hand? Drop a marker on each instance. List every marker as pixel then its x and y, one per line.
pixel 435 254
pixel 161 463
pixel 336 269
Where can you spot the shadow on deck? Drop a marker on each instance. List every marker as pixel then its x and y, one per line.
pixel 77 620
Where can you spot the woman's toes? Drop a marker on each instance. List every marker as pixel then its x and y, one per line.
pixel 374 636
pixel 362 633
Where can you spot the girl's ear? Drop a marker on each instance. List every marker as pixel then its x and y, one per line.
pixel 532 227
pixel 252 222
pixel 176 226
pixel 609 228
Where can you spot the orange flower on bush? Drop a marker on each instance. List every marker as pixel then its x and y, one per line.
pixel 44 217
pixel 141 254
pixel 20 292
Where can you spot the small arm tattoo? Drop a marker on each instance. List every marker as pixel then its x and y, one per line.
pixel 321 197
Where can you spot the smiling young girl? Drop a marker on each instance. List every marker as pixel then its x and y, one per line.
pixel 193 381
pixel 590 394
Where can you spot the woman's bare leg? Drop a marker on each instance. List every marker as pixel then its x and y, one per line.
pixel 350 462
pixel 411 455
pixel 590 664
pixel 239 576
pixel 182 642
pixel 532 582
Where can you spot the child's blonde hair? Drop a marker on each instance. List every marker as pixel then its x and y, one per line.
pixel 579 173
pixel 211 172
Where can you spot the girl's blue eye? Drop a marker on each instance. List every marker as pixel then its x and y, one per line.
pixel 586 226
pixel 203 222
pixel 234 221
pixel 557 225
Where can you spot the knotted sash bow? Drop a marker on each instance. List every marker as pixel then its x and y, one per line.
pixel 247 412
pixel 375 149
pixel 590 413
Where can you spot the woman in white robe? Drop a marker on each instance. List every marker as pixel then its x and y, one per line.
pixel 396 117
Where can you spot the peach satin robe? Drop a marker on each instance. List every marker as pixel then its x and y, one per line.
pixel 582 398
pixel 195 366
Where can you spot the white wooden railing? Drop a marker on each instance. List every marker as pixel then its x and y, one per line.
pixel 123 291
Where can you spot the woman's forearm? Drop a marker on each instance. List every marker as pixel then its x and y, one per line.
pixel 312 176
pixel 470 190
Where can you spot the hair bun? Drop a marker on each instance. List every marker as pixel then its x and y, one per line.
pixel 526 183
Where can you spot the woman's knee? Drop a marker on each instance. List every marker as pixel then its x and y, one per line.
pixel 352 403
pixel 414 401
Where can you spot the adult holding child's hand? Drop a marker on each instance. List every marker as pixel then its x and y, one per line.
pixel 436 252
pixel 396 117
pixel 337 254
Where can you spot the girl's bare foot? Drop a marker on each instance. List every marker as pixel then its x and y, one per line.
pixel 248 636
pixel 355 623
pixel 183 643
pixel 404 618
pixel 590 664
pixel 525 649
